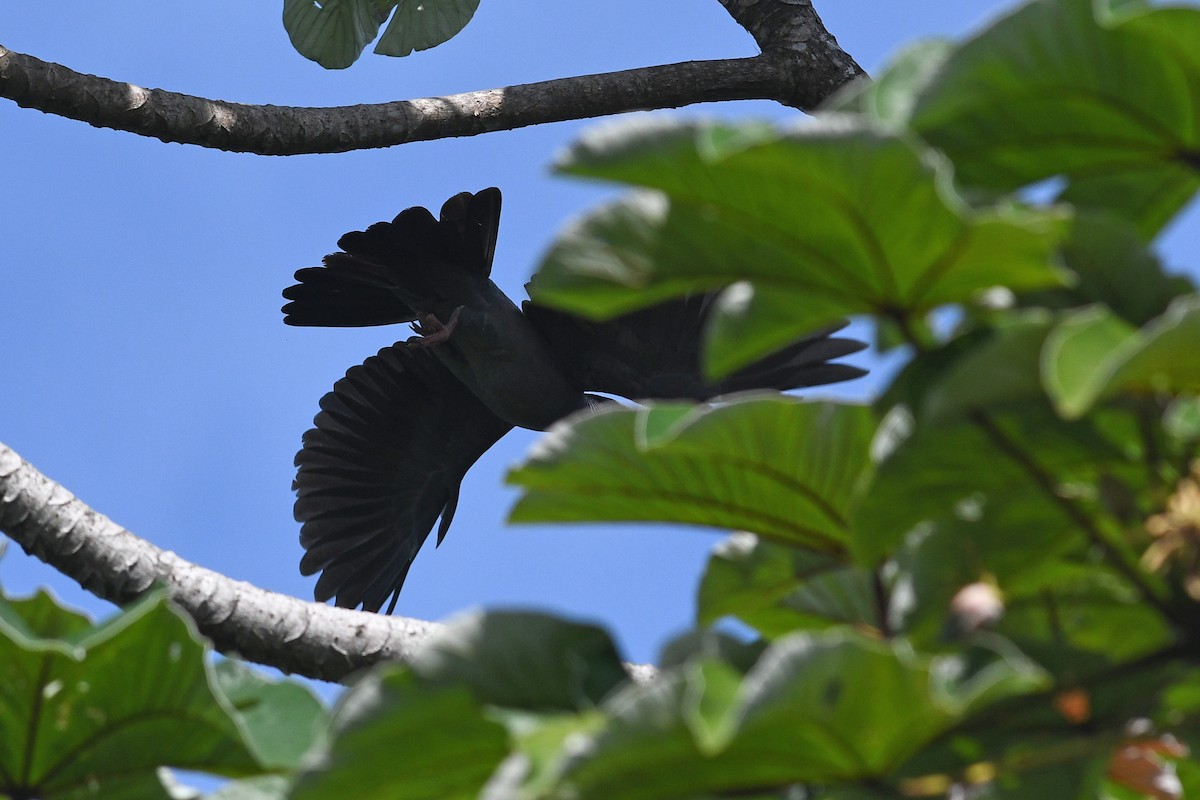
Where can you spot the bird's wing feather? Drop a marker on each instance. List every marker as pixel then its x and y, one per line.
pixel 385 459
pixel 655 353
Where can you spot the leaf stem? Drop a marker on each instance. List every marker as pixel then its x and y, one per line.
pixel 899 317
pixel 1146 415
pixel 881 603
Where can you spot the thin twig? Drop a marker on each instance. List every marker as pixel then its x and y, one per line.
pixel 882 608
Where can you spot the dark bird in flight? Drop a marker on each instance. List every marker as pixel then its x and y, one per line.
pixel 395 437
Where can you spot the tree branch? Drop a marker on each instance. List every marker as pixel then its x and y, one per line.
pixel 791 32
pixel 801 66
pixel 308 639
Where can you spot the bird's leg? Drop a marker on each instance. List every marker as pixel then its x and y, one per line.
pixel 430 330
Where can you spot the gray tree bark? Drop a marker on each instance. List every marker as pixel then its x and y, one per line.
pixel 801 65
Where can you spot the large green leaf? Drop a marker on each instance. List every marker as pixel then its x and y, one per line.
pixel 875 703
pixel 712 644
pixel 1084 606
pixel 282 718
pixel 1092 355
pixel 976 462
pixel 815 708
pixel 772 465
pixel 1044 570
pixel 396 737
pixel 1112 103
pixel 1074 354
pixel 95 710
pixel 778 590
pixel 334 32
pixel 1181 421
pixel 1112 265
pixel 1002 544
pixel 441 727
pixel 422 24
pixel 523 660
pixel 1000 370
pixel 812 223
pixel 889 98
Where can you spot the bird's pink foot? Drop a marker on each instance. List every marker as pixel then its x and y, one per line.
pixel 431 330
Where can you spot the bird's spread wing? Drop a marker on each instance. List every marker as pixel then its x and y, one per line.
pixel 655 353
pixel 379 271
pixel 385 460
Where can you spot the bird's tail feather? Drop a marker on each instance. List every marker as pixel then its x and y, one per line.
pixel 806 362
pixel 655 352
pixel 384 273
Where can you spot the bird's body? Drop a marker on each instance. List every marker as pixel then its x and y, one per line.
pixel 495 351
pixel 396 435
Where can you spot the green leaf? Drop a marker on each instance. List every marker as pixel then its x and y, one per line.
pixel 1067 775
pixel 917 378
pixel 945 468
pixel 813 224
pixel 1050 90
pixel 1166 358
pixel 38 622
pixel 1085 607
pixel 772 465
pixel 1000 370
pixel 1005 544
pixel 1073 359
pixel 708 713
pixel 422 24
pixel 1090 356
pixel 850 689
pixel 543 742
pixel 890 97
pixel 1114 267
pixel 396 737
pixel 778 590
pixel 710 644
pixel 522 660
pixel 141 785
pixel 1182 419
pixel 815 708
pixel 1189 776
pixel 333 32
pixel 282 718
pixel 97 709
pixel 646 750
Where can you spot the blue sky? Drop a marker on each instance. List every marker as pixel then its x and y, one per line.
pixel 146 362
